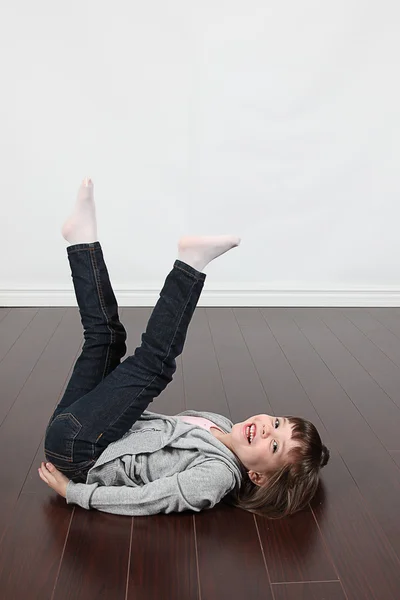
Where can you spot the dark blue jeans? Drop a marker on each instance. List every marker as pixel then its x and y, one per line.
pixel 105 397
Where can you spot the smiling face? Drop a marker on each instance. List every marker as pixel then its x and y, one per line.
pixel 267 451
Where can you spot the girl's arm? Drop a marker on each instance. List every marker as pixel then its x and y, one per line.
pixel 194 489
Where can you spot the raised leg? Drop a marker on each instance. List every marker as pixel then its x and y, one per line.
pixel 104 334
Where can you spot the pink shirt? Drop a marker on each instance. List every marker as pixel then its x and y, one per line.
pixel 200 421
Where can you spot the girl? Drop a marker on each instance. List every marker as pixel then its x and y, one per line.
pixel 108 453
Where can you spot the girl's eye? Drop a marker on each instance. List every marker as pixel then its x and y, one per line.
pixel 274 446
pixel 275 424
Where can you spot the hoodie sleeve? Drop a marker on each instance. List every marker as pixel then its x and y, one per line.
pixel 195 489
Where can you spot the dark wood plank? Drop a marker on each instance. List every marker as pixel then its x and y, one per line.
pixel 380 326
pixel 32 547
pixel 379 366
pixel 244 391
pixel 378 409
pixel 330 590
pixel 4 310
pixel 294 549
pixel 95 558
pixel 388 317
pixel 203 385
pixel 172 400
pixel 13 323
pixel 231 564
pixel 163 558
pixel 360 549
pixel 23 335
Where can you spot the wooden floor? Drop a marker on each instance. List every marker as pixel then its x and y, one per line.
pixel 338 367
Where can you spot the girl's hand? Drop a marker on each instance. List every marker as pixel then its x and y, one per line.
pixel 54 478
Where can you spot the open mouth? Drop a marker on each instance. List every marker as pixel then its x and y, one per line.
pixel 249 432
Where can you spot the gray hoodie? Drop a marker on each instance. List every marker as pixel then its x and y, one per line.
pixel 161 465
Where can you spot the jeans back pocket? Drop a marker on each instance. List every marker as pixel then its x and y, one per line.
pixel 60 437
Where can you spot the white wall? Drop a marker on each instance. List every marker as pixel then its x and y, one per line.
pixel 276 121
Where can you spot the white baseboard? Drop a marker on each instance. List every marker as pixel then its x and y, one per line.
pixel 250 295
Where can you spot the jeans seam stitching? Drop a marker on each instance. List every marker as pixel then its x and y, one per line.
pixel 103 308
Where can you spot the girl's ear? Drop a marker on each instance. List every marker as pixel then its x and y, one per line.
pixel 257 478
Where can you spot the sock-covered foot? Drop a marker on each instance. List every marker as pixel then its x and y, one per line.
pixel 81 226
pixel 197 252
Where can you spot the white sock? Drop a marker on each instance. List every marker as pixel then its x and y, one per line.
pixel 197 252
pixel 81 226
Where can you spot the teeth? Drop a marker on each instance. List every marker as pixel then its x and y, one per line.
pixel 250 431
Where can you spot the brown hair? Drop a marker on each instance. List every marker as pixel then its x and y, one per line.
pixel 291 487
